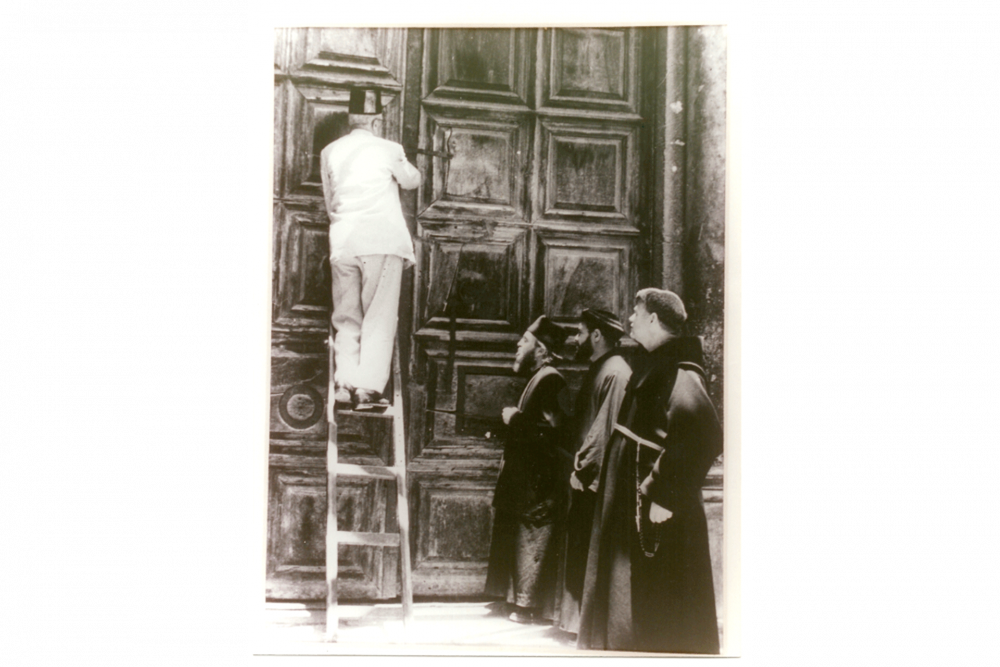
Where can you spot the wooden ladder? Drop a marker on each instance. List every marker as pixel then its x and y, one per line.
pixel 397 472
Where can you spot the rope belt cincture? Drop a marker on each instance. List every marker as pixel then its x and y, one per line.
pixel 647 549
pixel 634 438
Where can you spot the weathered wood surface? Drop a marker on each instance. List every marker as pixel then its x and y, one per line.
pixel 569 186
pixel 540 210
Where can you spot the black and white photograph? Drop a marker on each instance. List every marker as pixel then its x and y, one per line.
pixel 499 339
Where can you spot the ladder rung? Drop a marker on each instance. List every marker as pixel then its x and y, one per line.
pixel 334 537
pixel 354 470
pixel 368 539
pixel 388 413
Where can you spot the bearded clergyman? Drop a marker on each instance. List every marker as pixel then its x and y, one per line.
pixel 594 418
pixel 532 490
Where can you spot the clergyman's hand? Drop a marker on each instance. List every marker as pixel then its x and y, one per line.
pixel 539 514
pixel 508 413
pixel 659 514
pixel 575 482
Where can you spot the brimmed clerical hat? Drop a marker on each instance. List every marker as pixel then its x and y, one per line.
pixel 595 318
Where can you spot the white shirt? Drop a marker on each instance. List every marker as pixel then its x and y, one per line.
pixel 360 176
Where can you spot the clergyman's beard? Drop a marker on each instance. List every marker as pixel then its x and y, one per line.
pixel 522 363
pixel 584 351
pixel 527 365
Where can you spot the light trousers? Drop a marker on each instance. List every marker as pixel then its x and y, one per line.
pixel 365 315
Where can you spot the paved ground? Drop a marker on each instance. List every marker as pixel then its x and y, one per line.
pixel 438 628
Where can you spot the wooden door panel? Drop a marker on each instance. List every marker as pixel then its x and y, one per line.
pixel 454 517
pixel 303 275
pixel 298 394
pixel 297 546
pixel 574 272
pixel 588 173
pixel 278 154
pixel 485 176
pixel 584 175
pixel 481 394
pixel 317 67
pixel 298 412
pixel 454 465
pixel 464 396
pixel 478 65
pixel 454 462
pixel 590 69
pixel 324 63
pixel 313 115
pixel 480 269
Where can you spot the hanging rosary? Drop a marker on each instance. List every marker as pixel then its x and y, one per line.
pixel 638 508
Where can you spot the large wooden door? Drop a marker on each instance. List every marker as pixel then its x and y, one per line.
pixel 531 143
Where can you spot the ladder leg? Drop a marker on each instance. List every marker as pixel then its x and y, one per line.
pixel 403 516
pixel 402 503
pixel 332 618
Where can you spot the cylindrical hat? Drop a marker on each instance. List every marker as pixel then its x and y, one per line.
pixel 365 102
pixel 553 335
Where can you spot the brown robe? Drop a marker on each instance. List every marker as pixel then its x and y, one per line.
pixel 652 590
pixel 597 405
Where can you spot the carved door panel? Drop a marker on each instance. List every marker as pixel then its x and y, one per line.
pixel 314 69
pixel 530 143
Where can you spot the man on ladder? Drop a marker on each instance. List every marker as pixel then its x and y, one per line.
pixel 369 247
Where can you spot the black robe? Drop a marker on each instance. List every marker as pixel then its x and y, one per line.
pixel 530 499
pixel 664 601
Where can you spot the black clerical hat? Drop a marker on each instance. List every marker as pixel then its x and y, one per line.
pixel 553 335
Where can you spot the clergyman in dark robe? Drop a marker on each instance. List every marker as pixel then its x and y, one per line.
pixel 594 417
pixel 649 584
pixel 532 490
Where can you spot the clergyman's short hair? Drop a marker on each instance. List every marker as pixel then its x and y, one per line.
pixel 668 307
